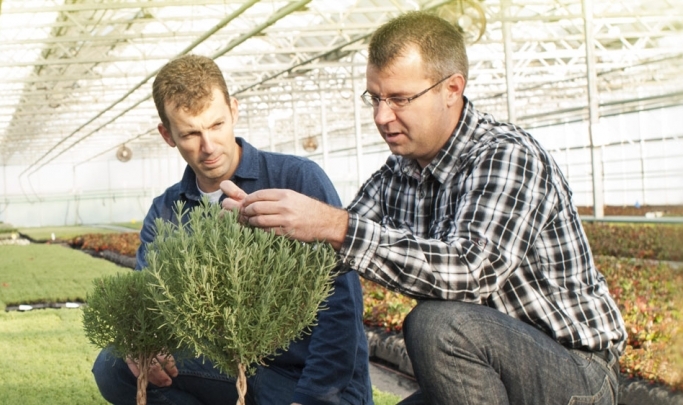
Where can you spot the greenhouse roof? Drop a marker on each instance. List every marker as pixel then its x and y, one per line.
pixel 76 75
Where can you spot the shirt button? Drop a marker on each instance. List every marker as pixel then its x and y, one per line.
pixel 422 194
pixel 352 262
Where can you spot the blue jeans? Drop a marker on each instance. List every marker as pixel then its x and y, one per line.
pixel 197 383
pixel 472 354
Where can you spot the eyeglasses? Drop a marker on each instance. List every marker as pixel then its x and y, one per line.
pixel 395 102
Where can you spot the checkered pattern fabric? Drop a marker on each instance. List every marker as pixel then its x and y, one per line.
pixel 490 221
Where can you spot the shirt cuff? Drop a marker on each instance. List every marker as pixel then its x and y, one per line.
pixel 360 244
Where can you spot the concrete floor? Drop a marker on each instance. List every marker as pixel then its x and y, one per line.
pixel 386 379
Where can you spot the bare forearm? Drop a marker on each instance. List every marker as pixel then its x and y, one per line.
pixel 334 223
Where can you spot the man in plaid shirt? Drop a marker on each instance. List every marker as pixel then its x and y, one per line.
pixel 474 219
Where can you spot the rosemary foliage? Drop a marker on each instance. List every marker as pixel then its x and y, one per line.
pixel 122 313
pixel 234 293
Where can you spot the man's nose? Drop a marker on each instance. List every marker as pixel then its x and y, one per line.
pixel 207 144
pixel 383 113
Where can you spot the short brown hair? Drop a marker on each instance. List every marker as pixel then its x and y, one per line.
pixel 187 82
pixel 440 44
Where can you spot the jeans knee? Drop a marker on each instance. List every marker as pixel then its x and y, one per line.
pixel 435 322
pixel 422 324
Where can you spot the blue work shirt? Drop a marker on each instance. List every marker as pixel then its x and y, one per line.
pixel 332 362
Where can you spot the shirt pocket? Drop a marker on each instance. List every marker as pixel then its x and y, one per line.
pixel 442 228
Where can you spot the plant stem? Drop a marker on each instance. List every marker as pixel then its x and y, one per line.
pixel 241 384
pixel 143 366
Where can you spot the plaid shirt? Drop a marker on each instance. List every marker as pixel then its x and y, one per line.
pixel 489 221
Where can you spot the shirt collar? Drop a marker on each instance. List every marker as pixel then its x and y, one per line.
pixel 249 164
pixel 248 168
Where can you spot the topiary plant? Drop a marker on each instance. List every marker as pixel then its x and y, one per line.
pixel 234 293
pixel 122 313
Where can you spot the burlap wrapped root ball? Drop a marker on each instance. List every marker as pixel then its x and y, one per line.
pixel 122 314
pixel 234 293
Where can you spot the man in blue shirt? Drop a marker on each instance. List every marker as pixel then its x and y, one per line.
pixel 329 366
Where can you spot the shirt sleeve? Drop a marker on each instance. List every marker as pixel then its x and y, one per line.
pixel 499 207
pixel 334 343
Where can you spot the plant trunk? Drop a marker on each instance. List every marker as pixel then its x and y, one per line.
pixel 241 384
pixel 143 366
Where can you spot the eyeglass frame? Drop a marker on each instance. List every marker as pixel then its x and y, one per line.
pixel 368 98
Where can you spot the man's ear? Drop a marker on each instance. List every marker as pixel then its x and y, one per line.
pixel 234 104
pixel 456 87
pixel 166 134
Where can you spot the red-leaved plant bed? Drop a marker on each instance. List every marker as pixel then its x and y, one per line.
pixel 642 241
pixel 122 243
pixel 648 295
pixel 650 300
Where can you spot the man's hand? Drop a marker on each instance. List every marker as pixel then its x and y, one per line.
pixel 235 198
pixel 160 372
pixel 289 213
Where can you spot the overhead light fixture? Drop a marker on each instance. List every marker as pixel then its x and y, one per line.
pixel 310 144
pixel 123 153
pixel 466 14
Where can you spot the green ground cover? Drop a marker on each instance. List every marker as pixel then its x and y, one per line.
pixel 62 233
pixel 6 228
pixel 53 273
pixel 46 357
pixel 135 225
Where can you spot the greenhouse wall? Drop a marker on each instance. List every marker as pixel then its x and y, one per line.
pixel 642 163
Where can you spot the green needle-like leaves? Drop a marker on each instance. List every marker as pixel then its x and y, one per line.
pixel 122 313
pixel 233 293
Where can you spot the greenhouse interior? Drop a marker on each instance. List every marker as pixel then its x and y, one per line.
pixel 78 128
pixel 599 84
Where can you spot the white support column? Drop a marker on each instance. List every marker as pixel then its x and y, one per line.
pixel 641 131
pixel 295 123
pixel 247 137
pixel 323 129
pixel 509 65
pixel 271 124
pixel 593 111
pixel 5 205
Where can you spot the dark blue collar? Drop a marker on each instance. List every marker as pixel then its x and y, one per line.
pixel 248 168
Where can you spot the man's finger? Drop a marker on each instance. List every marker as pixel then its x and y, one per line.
pixel 231 190
pixel 157 375
pixel 133 367
pixel 229 204
pixel 168 364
